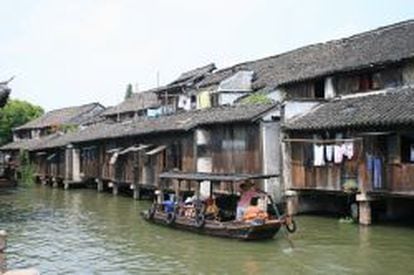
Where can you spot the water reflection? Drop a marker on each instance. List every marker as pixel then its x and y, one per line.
pixel 84 232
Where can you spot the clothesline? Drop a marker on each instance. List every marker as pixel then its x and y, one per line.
pixel 322 141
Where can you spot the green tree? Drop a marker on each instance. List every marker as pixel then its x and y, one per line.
pixel 129 91
pixel 256 98
pixel 16 113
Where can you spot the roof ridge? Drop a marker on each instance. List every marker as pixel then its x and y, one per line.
pixel 73 107
pixel 302 49
pixel 381 28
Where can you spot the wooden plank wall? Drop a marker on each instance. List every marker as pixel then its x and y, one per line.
pixel 89 162
pixel 235 149
pixel 179 154
pixel 328 177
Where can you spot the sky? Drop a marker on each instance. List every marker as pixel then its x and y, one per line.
pixel 72 52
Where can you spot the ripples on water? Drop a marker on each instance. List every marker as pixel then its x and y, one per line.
pixel 84 232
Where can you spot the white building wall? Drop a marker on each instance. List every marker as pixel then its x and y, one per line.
pixel 277 95
pixel 270 132
pixel 229 98
pixel 295 108
pixel 204 163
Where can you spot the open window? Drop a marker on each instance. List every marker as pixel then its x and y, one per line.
pixel 407 149
pixel 320 88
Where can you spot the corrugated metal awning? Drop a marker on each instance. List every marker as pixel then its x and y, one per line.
pixel 134 149
pixel 111 151
pixel 156 150
pixel 52 156
pixel 113 159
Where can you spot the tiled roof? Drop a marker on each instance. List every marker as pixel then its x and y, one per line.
pixel 65 116
pixel 188 78
pixel 376 47
pixel 183 121
pixel 148 99
pixel 392 107
pixel 28 144
pixel 137 101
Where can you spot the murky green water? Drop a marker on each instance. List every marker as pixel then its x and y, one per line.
pixel 85 232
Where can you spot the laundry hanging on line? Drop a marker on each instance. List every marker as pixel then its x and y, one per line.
pixel 318 154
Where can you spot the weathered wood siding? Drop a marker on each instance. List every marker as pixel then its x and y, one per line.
pixel 136 167
pixel 331 176
pixel 235 148
pixel 89 162
pixel 396 175
pixel 54 165
pixel 40 164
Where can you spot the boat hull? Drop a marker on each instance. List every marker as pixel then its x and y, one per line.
pixel 234 230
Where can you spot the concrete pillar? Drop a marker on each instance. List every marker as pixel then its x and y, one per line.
pixel 68 162
pixel 66 185
pixel 137 192
pixel 365 212
pixel 115 189
pixel 270 135
pixel 99 185
pixel 365 215
pixel 76 165
pixel 292 202
pixel 43 181
pixel 3 240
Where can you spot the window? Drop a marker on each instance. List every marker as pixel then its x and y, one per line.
pixel 365 82
pixel 407 149
pixel 202 150
pixel 385 78
pixel 193 102
pixel 320 89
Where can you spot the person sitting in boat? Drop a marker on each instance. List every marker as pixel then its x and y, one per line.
pixel 188 207
pixel 169 204
pixel 247 193
pixel 254 214
pixel 212 210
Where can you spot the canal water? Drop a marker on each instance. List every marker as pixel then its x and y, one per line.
pixel 85 232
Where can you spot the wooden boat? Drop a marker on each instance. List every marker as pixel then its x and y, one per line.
pixel 257 230
pixel 231 229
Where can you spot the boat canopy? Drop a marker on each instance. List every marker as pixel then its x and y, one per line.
pixel 201 176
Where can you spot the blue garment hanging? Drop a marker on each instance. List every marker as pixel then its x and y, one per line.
pixel 377 173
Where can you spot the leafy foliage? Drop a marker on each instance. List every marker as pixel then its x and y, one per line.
pixel 16 113
pixel 256 98
pixel 26 169
pixel 129 91
pixel 68 128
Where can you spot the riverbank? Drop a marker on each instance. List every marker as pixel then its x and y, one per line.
pixel 82 231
